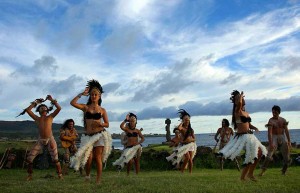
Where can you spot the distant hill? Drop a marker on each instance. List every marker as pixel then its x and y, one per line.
pixel 26 129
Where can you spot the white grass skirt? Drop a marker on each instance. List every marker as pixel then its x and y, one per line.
pixel 128 154
pixel 247 141
pixel 86 146
pixel 178 153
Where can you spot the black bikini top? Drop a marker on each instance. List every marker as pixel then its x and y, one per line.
pixel 133 134
pixel 245 119
pixel 89 115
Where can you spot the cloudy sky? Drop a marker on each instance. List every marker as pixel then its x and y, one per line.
pixel 152 57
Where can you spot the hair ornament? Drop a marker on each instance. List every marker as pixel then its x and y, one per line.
pixel 94 84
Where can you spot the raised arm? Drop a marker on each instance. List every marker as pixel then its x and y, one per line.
pixel 123 124
pixel 75 99
pixel 55 103
pixel 238 101
pixel 29 109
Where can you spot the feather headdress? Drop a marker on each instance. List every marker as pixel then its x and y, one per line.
pixel 183 113
pixel 94 84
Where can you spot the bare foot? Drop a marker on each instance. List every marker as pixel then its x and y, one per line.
pixel 243 179
pixel 98 182
pixel 262 172
pixel 87 178
pixel 60 177
pixel 29 177
pixel 252 178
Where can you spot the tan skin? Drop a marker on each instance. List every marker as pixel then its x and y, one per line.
pixel 176 140
pixel 71 134
pixel 227 132
pixel 132 141
pixel 44 121
pixel 93 126
pixel 243 128
pixel 188 156
pixel 280 128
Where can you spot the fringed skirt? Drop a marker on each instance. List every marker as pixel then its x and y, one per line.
pixel 128 154
pixel 247 141
pixel 180 151
pixel 86 146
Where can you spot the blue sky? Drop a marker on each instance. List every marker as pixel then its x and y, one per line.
pixel 152 57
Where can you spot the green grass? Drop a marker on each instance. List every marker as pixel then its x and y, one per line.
pixel 201 180
pixel 157 147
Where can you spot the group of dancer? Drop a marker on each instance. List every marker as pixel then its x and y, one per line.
pixel 96 142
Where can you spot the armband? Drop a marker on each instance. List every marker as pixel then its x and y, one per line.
pixel 53 101
pixel 34 103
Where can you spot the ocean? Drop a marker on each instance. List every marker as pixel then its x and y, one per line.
pixel 207 139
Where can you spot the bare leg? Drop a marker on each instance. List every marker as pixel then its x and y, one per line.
pixel 88 167
pixel 29 171
pixel 221 163
pixel 245 172
pixel 137 165
pixel 185 162
pixel 58 169
pixel 253 166
pixel 32 154
pixel 190 161
pixel 98 156
pixel 129 166
pixel 237 164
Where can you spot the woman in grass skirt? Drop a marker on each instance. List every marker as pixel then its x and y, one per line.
pixel 244 138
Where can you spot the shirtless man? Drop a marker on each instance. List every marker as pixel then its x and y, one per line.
pixel 44 123
pixel 225 133
pixel 279 137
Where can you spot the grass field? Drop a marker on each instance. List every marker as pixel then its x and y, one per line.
pixel 201 180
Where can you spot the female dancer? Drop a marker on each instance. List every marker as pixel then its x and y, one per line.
pixel 188 147
pixel 175 144
pixel 243 137
pixel 133 150
pixel 96 141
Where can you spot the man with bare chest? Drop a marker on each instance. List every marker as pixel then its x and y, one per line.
pixel 279 138
pixel 44 123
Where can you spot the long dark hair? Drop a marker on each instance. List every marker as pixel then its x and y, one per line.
pixel 93 84
pixel 226 122
pixel 232 98
pixel 189 131
pixel 65 125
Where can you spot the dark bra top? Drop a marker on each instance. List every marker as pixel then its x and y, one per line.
pixel 133 134
pixel 89 115
pixel 245 119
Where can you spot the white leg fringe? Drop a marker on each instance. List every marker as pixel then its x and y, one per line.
pixel 86 146
pixel 180 151
pixel 251 144
pixel 127 155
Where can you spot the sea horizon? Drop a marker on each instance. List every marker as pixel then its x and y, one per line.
pixel 207 139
